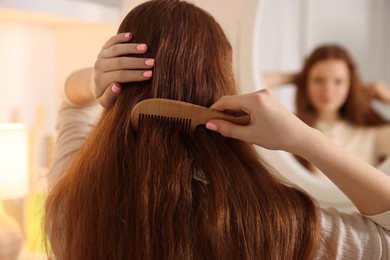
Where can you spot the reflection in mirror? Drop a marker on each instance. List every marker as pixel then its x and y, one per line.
pixel 288 32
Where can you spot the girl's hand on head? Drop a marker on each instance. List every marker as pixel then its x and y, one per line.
pixel 113 67
pixel 378 90
pixel 272 126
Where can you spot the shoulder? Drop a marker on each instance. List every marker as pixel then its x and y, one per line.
pixel 352 235
pixel 330 216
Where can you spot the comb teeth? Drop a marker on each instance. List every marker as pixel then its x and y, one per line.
pixel 184 124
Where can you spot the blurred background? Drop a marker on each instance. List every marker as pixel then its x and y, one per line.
pixel 41 43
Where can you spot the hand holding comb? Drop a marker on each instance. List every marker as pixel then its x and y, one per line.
pixel 185 115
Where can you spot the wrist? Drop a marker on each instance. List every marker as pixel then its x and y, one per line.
pixel 306 146
pixel 79 88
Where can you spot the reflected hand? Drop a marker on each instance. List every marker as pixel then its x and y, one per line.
pixel 272 126
pixel 113 67
pixel 378 90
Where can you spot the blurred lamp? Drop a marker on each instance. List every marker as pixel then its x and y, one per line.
pixel 13 184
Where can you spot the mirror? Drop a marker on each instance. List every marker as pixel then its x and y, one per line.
pixel 278 34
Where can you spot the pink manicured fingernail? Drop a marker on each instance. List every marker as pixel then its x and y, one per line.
pixel 147 74
pixel 127 35
pixel 115 88
pixel 211 126
pixel 149 62
pixel 141 47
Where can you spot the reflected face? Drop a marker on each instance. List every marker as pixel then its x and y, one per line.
pixel 328 87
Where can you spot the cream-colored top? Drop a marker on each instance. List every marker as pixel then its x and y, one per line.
pixel 349 236
pixel 370 144
pixel 353 236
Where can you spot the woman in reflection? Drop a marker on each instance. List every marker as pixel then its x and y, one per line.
pixel 161 194
pixel 331 97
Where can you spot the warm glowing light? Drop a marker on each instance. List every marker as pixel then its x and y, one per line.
pixel 13 161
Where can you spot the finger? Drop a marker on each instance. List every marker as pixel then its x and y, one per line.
pixel 245 103
pixel 123 63
pixel 123 49
pixel 124 76
pixel 232 103
pixel 110 95
pixel 119 38
pixel 120 76
pixel 225 103
pixel 228 129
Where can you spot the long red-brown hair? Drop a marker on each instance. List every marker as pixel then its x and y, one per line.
pixel 161 194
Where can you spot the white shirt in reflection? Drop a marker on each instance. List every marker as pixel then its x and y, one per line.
pixel 371 144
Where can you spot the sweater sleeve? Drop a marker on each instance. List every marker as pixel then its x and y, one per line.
pixel 73 125
pixel 353 236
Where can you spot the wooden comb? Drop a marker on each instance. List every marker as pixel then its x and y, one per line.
pixel 185 115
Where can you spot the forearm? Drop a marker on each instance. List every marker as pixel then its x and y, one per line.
pixel 79 86
pixel 378 90
pixel 386 100
pixel 366 187
pixel 277 79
